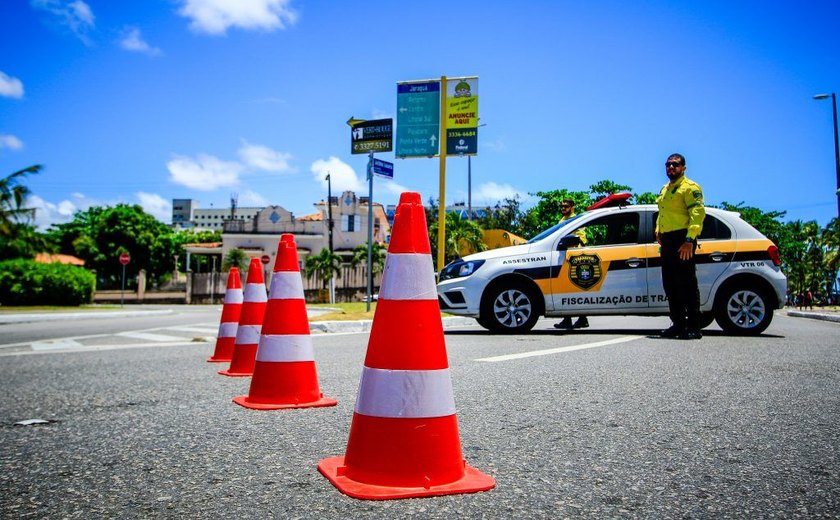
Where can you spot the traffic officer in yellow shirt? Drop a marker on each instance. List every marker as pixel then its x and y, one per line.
pixel 567 210
pixel 680 221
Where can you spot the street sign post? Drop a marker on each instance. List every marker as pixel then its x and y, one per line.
pixel 418 119
pixel 371 136
pixel 383 168
pixel 125 258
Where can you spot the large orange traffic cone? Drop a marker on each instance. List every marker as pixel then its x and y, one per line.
pixel 404 439
pixel 229 322
pixel 250 323
pixel 284 373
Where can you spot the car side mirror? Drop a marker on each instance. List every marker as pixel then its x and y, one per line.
pixel 568 241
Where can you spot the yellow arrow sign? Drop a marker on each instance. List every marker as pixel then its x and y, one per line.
pixel 353 121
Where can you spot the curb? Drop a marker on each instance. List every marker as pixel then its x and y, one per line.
pixel 815 316
pixel 50 316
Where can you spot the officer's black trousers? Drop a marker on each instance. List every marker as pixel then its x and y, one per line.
pixel 679 279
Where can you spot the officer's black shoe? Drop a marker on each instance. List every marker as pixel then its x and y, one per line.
pixel 565 324
pixel 581 323
pixel 671 332
pixel 691 334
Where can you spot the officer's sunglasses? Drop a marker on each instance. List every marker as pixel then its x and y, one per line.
pixel 673 164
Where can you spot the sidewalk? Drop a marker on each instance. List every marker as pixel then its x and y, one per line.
pixel 322 327
pixel 831 313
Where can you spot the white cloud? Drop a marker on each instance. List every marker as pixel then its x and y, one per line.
pixel 133 41
pixel 155 205
pixel 204 173
pixel 217 16
pixel 76 16
pixel 264 158
pixel 10 87
pixel 498 145
pixel 490 193
pixel 48 213
pixel 11 142
pixel 342 176
pixel 252 199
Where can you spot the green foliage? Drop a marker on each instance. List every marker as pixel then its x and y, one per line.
pixel 325 265
pixel 24 241
pixel 458 231
pixel 12 196
pixel 378 253
pixel 507 215
pixel 26 282
pixel 100 234
pixel 235 258
pixel 546 212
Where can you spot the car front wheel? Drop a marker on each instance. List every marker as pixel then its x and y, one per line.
pixel 743 311
pixel 510 309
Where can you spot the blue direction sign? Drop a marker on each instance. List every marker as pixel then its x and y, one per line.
pixel 383 168
pixel 418 119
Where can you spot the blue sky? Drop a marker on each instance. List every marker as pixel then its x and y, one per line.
pixel 146 101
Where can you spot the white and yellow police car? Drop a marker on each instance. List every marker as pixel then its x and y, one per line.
pixel 617 272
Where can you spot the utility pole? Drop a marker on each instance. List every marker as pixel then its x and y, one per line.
pixel 330 233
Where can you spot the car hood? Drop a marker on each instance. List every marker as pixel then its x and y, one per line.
pixel 499 252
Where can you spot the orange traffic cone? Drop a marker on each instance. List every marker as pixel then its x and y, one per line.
pixel 404 439
pixel 284 373
pixel 231 310
pixel 250 323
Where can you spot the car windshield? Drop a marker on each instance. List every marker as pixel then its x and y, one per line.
pixel 554 228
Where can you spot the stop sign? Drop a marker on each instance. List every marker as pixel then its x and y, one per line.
pixel 265 259
pixel 125 258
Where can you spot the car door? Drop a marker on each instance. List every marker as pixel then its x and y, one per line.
pixel 608 272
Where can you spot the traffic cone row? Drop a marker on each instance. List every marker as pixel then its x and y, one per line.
pixel 404 439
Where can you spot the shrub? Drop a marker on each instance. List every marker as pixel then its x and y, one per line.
pixel 26 282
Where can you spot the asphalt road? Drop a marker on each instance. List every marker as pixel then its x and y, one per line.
pixel 641 427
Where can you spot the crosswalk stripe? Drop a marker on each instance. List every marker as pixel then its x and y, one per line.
pixel 149 336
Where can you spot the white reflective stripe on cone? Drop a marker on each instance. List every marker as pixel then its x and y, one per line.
pixel 405 393
pixel 248 334
pixel 286 285
pixel 255 292
pixel 290 347
pixel 408 276
pixel 233 296
pixel 228 330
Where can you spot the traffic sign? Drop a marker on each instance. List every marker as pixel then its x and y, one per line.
pixel 125 258
pixel 372 136
pixel 418 119
pixel 383 168
pixel 265 259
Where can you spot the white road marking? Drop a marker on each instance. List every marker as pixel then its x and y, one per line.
pixel 559 350
pixel 53 344
pixel 149 336
pixel 203 330
pixel 97 348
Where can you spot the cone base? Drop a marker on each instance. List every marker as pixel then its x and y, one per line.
pixel 473 481
pixel 235 374
pixel 218 360
pixel 242 400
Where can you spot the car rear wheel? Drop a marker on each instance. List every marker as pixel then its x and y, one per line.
pixel 509 309
pixel 743 311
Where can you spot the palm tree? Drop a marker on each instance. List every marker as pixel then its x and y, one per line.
pixel 378 256
pixel 324 265
pixel 235 258
pixel 12 196
pixel 459 233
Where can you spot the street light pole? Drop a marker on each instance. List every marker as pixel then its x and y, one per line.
pixel 836 143
pixel 330 233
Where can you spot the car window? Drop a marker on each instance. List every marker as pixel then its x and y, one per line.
pixel 609 230
pixel 554 228
pixel 713 228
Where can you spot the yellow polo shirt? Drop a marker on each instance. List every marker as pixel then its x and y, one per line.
pixel 681 207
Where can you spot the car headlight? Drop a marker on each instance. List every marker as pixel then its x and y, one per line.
pixel 460 269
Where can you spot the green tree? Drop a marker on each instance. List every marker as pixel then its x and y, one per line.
pixel 235 258
pixel 507 215
pixel 12 197
pixel 546 212
pixel 645 198
pixel 378 254
pixel 325 265
pixel 24 241
pixel 458 231
pixel 603 188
